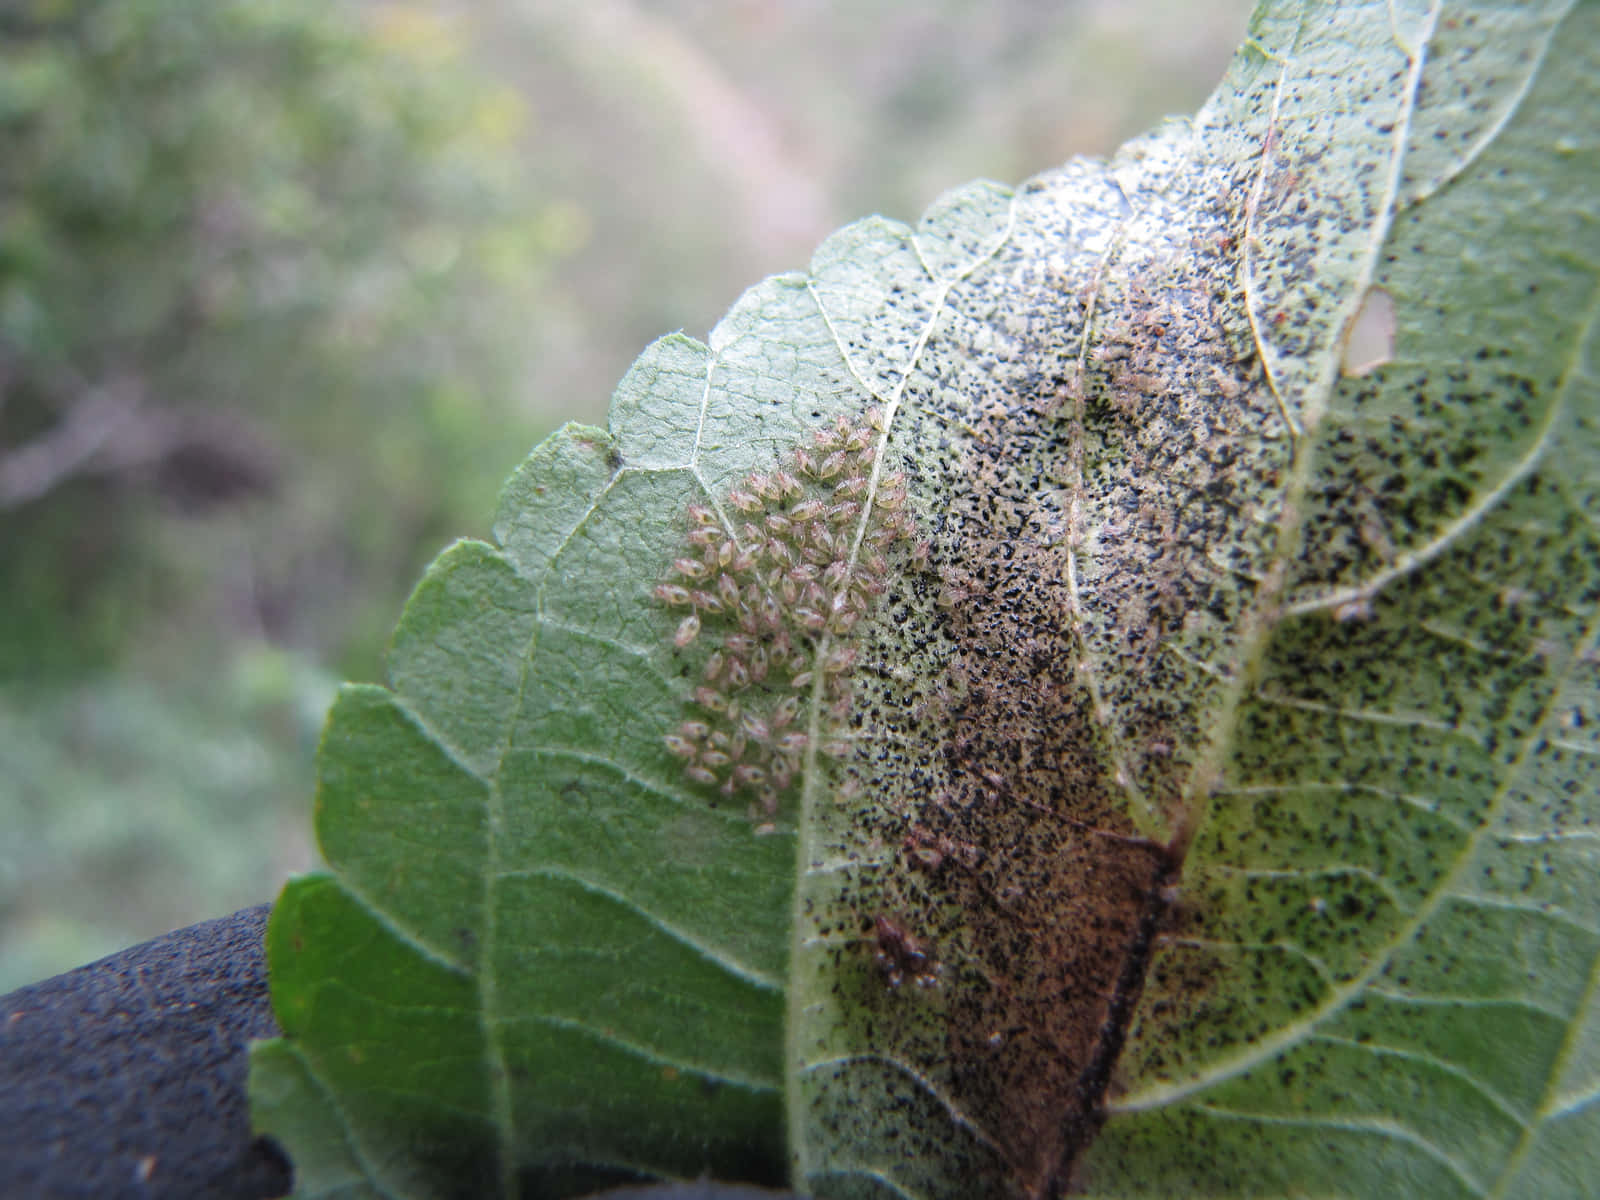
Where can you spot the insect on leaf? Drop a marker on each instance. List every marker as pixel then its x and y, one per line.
pixel 1097 691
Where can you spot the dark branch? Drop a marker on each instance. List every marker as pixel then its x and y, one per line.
pixel 126 1078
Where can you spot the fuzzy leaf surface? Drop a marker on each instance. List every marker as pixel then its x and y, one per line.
pixel 1187 787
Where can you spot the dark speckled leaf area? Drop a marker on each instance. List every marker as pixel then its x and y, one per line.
pixel 1095 693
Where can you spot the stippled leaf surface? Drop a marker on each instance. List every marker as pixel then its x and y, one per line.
pixel 1095 691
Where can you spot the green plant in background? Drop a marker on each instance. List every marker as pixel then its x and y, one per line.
pixel 1192 794
pixel 247 253
pixel 264 271
pixel 129 805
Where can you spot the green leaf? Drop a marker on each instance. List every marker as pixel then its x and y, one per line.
pixel 1180 782
pixel 1387 959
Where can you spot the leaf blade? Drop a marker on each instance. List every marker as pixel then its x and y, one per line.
pixel 1177 577
pixel 1464 733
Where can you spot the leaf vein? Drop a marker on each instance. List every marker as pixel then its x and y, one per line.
pixel 637 1051
pixel 1341 997
pixel 1377 1125
pixel 722 961
pixel 1490 1094
pixel 956 1113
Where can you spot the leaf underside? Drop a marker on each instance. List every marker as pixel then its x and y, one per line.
pixel 1201 797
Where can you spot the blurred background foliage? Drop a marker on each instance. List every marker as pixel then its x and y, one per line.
pixel 287 289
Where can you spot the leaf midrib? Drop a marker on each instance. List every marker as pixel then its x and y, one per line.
pixel 794 1061
pixel 1339 999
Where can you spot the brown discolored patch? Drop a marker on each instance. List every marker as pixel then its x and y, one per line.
pixel 1074 578
pixel 1036 709
pixel 1034 843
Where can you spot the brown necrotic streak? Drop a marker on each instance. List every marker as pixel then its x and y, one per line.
pixel 1020 871
pixel 1032 875
pixel 1059 710
pixel 1023 879
pixel 1058 911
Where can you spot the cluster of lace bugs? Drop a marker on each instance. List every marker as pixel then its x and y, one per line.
pixel 899 955
pixel 800 560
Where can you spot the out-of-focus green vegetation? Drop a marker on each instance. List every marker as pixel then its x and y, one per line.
pixel 132 806
pixel 287 289
pixel 263 273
